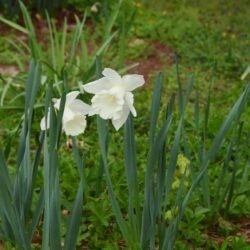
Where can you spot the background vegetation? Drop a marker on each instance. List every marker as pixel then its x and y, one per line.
pixel 198 44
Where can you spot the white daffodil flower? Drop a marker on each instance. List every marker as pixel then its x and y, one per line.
pixel 74 115
pixel 113 98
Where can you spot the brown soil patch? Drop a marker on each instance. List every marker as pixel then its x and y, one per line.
pixel 241 228
pixel 2 247
pixel 8 70
pixel 40 23
pixel 245 228
pixel 159 57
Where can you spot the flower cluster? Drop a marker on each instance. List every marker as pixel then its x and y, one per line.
pixel 113 99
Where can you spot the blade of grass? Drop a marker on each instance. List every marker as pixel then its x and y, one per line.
pixel 75 218
pixel 34 45
pixel 132 182
pixel 76 39
pixel 148 213
pixel 9 211
pixel 112 19
pixel 14 25
pixel 155 106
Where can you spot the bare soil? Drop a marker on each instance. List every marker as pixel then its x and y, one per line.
pixel 160 55
pixel 242 228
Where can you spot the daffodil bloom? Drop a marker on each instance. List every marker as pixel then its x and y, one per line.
pixel 74 115
pixel 113 98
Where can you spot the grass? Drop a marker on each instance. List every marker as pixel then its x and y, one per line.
pixel 212 45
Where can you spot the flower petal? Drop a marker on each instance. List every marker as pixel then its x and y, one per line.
pixel 68 114
pixel 132 82
pixel 129 98
pixel 43 124
pixel 112 75
pixel 56 103
pixel 124 116
pixel 72 96
pixel 79 107
pixel 98 85
pixel 108 104
pixel 75 126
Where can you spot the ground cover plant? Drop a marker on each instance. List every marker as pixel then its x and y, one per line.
pixel 176 176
